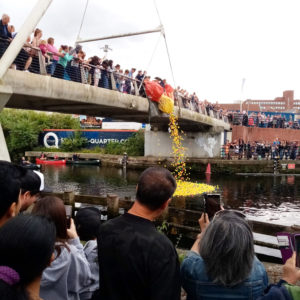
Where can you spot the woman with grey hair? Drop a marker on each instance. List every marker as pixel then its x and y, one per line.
pixel 221 263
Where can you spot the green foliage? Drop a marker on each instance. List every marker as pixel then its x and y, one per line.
pixel 181 257
pixel 96 149
pixel 22 128
pixel 134 146
pixel 163 228
pixel 74 143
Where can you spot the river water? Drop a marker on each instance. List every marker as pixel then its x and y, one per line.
pixel 272 199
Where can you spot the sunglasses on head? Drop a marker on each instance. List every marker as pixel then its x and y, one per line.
pixel 226 211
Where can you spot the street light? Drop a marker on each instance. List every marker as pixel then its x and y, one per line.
pixel 105 50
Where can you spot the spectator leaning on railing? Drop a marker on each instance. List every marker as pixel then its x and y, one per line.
pixel 62 63
pixel 69 64
pixel 5 35
pixel 52 49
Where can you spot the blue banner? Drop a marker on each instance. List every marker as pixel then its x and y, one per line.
pixel 54 137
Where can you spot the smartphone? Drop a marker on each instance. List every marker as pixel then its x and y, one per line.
pixel 297 248
pixel 285 244
pixel 212 204
pixel 69 211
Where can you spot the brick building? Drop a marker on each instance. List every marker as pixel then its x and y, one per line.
pixel 285 103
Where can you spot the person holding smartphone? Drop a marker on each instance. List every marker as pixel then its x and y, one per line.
pixel 286 288
pixel 222 263
pixel 70 272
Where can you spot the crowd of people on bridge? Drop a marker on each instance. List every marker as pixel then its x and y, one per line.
pixel 71 63
pixel 46 255
pixel 238 149
pixel 262 120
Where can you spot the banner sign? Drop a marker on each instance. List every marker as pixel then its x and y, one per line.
pixel 52 138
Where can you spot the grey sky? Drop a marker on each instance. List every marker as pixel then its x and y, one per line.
pixel 214 44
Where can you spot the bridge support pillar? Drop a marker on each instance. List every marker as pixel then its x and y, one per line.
pixel 4 155
pixel 197 144
pixel 5 94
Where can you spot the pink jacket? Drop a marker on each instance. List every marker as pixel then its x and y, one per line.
pixel 53 50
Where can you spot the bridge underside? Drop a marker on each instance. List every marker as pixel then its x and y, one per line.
pixel 35 92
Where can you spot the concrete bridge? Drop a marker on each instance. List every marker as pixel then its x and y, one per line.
pixel 32 91
pixel 26 90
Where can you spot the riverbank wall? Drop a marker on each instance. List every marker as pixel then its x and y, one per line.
pixel 196 165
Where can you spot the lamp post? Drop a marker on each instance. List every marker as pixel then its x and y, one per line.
pixel 242 90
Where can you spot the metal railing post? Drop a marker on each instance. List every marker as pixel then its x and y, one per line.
pixel 113 82
pixel 43 70
pixel 136 90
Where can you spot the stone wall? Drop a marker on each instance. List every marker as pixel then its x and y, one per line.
pixel 197 144
pixel 197 165
pixel 253 134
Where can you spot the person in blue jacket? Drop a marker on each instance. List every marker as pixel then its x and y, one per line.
pixel 222 264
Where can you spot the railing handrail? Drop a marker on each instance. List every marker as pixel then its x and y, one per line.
pixel 201 107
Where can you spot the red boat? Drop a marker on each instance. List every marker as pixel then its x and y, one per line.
pixel 50 162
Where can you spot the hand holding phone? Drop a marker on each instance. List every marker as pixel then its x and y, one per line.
pixel 212 203
pixel 290 273
pixel 72 233
pixel 203 221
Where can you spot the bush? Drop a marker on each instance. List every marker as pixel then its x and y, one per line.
pixel 74 143
pixel 134 146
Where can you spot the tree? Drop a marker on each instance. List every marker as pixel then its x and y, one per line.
pixel 22 128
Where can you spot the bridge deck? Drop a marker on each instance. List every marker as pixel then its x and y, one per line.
pixel 44 93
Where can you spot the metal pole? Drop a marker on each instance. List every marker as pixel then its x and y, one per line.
pixel 20 39
pixel 159 29
pixel 242 90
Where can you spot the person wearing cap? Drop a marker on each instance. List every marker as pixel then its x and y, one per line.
pixel 137 262
pixel 87 221
pixel 31 185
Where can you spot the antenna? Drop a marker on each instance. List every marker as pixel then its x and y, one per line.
pixel 105 50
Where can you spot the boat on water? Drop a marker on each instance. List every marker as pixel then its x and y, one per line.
pixel 50 162
pixel 94 162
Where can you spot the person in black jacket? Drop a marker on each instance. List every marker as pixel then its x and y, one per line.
pixel 5 35
pixel 245 119
pixel 137 262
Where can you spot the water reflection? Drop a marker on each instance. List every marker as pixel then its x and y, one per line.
pixel 274 199
pixel 92 180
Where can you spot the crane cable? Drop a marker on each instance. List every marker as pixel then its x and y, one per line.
pixel 150 61
pixel 167 48
pixel 82 20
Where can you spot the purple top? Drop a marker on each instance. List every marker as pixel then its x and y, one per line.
pixel 9 275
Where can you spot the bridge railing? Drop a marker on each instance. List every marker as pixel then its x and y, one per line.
pixel 197 106
pixel 41 61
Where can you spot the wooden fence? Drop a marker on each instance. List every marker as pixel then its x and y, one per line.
pixel 182 221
